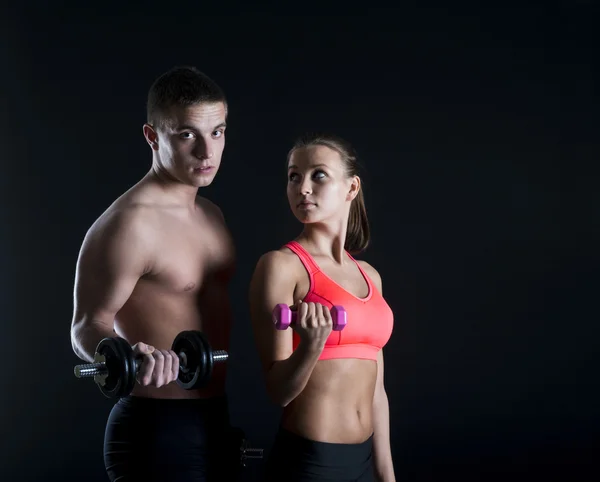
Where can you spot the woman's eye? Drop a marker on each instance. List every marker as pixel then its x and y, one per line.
pixel 186 135
pixel 319 175
pixel 293 176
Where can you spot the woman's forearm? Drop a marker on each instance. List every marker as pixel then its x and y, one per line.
pixel 287 378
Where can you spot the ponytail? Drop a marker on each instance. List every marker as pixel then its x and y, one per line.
pixel 358 233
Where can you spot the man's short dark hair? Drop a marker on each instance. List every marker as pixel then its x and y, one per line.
pixel 181 86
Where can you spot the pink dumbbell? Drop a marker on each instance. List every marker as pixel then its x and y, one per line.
pixel 283 316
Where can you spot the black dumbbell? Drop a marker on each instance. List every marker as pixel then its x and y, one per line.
pixel 240 443
pixel 115 368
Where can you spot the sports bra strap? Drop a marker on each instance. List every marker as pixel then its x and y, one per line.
pixel 306 258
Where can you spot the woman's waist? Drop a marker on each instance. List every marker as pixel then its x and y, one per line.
pixel 333 418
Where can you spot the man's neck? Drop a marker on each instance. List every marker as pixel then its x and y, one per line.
pixel 171 190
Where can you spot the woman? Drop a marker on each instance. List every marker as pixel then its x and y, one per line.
pixel 335 423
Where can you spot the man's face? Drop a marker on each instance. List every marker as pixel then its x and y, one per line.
pixel 191 141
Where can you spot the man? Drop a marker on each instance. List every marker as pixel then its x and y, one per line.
pixel 155 263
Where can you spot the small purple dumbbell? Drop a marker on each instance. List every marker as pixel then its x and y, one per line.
pixel 283 316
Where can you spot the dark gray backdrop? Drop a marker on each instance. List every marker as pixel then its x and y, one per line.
pixel 478 129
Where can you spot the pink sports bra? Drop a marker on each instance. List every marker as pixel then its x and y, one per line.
pixel 369 320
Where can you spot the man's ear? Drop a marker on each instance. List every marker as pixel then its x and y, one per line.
pixel 354 188
pixel 151 136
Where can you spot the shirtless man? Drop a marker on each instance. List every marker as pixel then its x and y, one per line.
pixel 155 263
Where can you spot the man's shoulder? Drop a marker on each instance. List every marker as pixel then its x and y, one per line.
pixel 209 207
pixel 123 217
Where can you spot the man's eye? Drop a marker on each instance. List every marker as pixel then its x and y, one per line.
pixel 186 135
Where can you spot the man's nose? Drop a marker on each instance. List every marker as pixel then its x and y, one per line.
pixel 203 150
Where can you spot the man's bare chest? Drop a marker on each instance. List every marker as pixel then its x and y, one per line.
pixel 187 259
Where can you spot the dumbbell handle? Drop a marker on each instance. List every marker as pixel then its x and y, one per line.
pixel 249 453
pixel 283 317
pixel 89 370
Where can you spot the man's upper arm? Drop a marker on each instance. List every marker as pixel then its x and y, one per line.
pixel 113 256
pixel 272 283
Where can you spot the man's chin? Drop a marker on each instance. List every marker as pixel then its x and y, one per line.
pixel 200 184
pixel 203 181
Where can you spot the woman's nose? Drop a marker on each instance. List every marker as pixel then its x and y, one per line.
pixel 305 188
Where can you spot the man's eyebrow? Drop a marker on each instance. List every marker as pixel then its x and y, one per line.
pixel 188 127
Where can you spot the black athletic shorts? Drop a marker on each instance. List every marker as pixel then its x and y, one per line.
pixel 169 440
pixel 297 459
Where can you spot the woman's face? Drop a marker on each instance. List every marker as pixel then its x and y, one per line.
pixel 318 187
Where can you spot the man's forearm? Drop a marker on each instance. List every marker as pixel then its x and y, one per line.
pixel 86 336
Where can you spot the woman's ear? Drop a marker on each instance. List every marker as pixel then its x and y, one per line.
pixel 354 188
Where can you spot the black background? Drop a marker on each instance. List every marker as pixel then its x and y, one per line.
pixel 478 129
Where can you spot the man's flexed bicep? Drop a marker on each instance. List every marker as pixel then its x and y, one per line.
pixel 114 255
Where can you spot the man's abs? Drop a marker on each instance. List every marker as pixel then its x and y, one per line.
pixel 154 317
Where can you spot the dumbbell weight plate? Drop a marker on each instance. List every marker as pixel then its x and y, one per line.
pixel 190 374
pixel 209 361
pixel 121 375
pixel 129 381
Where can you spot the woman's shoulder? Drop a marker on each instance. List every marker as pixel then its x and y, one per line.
pixel 276 269
pixel 278 258
pixel 371 272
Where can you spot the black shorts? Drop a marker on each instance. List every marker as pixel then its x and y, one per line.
pixel 297 459
pixel 170 441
